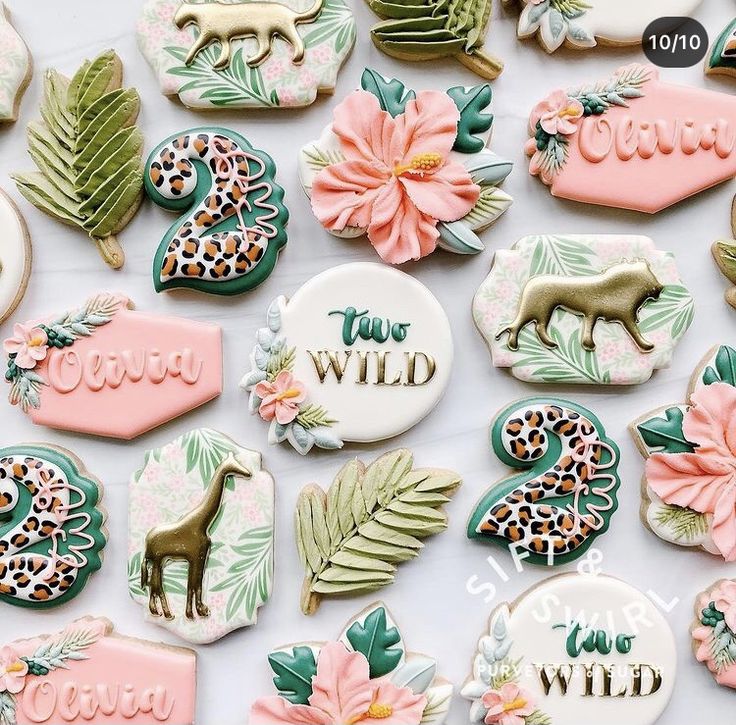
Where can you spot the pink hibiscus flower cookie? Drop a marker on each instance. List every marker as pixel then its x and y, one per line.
pixel 714 631
pixel 689 486
pixel 409 170
pixel 366 677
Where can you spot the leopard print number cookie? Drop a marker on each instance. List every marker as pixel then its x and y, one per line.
pixel 566 494
pixel 234 225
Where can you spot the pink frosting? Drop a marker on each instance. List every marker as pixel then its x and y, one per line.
pixel 704 480
pixel 509 705
pixel 280 398
pixel 398 180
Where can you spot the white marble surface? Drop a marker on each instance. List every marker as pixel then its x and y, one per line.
pixel 429 598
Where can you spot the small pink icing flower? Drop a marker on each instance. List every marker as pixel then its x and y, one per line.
pixel 724 598
pixel 558 113
pixel 13 671
pixel 398 181
pixel 281 398
pixel 28 344
pixel 343 693
pixel 510 705
pixel 704 480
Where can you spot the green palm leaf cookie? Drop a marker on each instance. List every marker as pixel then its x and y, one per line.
pixel 431 29
pixel 88 152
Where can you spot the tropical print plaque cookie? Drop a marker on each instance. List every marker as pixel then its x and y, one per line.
pixel 632 141
pixel 233 219
pixel 88 674
pixel 409 170
pixel 564 489
pixel 365 676
pixel 200 536
pixel 362 352
pixel 427 30
pixel 689 487
pixel 714 631
pixel 263 54
pixel 588 309
pixel 16 67
pixel 575 649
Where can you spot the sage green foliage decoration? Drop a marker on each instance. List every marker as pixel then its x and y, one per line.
pixel 371 518
pixel 724 254
pixel 88 153
pixel 432 29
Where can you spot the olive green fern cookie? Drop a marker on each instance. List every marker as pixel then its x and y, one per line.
pixel 88 152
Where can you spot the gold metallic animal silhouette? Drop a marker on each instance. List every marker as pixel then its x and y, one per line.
pixel 187 539
pixel 224 22
pixel 615 295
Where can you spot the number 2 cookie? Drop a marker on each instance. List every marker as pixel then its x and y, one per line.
pixel 632 141
pixel 601 309
pixel 565 492
pixel 234 225
pixel 263 54
pixel 574 650
pixel 689 487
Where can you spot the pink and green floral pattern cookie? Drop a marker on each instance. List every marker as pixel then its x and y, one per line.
pixel 714 631
pixel 365 676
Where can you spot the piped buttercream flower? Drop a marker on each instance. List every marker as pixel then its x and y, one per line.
pixel 13 671
pixel 280 398
pixel 557 114
pixel 509 705
pixel 28 344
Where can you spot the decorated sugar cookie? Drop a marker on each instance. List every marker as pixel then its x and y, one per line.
pixel 632 141
pixel 16 67
pixel 366 676
pixel 583 24
pixel 687 493
pixel 431 29
pixel 107 370
pixel 88 674
pixel 600 309
pixel 206 566
pixel 88 152
pixel 564 491
pixel 233 224
pixel 574 649
pixel 426 180
pixel 52 532
pixel 724 253
pixel 360 353
pixel 714 631
pixel 15 256
pixel 371 518
pixel 262 54
pixel 722 57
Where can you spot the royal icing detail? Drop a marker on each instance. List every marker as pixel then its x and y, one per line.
pixel 564 492
pixel 88 152
pixel 360 353
pixel 722 57
pixel 575 649
pixel 263 54
pixel 632 141
pixel 206 566
pixel 425 180
pixel 15 256
pixel 714 631
pixel 106 370
pixel 580 24
pixel 372 517
pixel 600 309
pixel 87 674
pixel 234 226
pixel 690 473
pixel 16 67
pixel 432 29
pixel 724 253
pixel 365 676
pixel 52 533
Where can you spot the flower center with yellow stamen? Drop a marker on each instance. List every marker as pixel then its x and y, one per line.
pixel 15 667
pixel 379 712
pixel 290 393
pixel 569 111
pixel 421 164
pixel 514 704
pixel 36 342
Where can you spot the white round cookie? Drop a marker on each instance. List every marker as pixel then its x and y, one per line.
pixel 15 256
pixel 618 666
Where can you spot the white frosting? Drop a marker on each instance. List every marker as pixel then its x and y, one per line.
pixel 15 257
pixel 369 412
